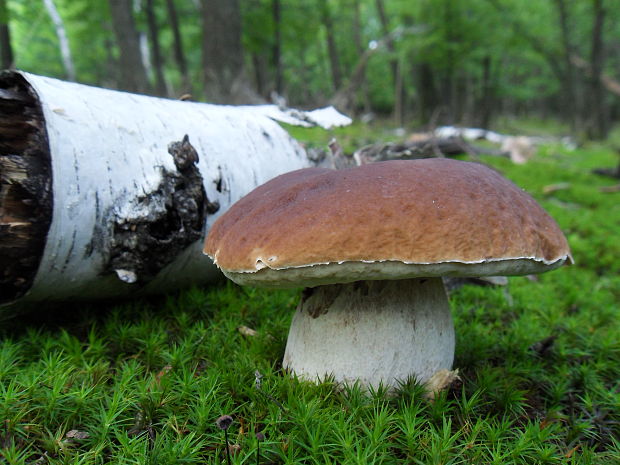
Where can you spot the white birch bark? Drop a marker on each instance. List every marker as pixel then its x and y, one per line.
pixel 109 149
pixel 63 40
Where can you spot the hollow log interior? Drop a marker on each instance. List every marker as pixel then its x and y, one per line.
pixel 25 185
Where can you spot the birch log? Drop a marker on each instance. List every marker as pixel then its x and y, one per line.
pixel 105 193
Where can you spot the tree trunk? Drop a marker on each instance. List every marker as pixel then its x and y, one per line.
pixel 132 72
pixel 394 67
pixel 399 96
pixel 429 100
pixel 260 74
pixel 486 102
pixel 570 83
pixel 160 82
pixel 105 194
pixel 6 50
pixel 597 126
pixel 276 6
pixel 332 50
pixel 177 41
pixel 223 61
pixel 63 41
pixel 449 82
pixel 360 48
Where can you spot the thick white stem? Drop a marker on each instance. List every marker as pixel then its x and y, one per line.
pixel 372 332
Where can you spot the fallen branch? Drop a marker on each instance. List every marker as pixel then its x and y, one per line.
pixel 105 194
pixel 429 147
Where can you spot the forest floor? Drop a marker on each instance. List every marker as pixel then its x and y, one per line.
pixel 144 382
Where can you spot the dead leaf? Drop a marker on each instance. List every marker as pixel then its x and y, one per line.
pixel 164 371
pixel 520 148
pixel 543 347
pixel 420 137
pixel 234 449
pixel 284 445
pixel 139 424
pixel 570 453
pixel 551 188
pixel 75 434
pixel 42 459
pixel 247 331
pixel 609 189
pixel 440 381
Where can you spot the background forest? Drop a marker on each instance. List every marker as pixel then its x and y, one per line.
pixel 422 62
pixel 143 381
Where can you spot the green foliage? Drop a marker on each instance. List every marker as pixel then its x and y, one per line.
pixel 145 381
pixel 461 56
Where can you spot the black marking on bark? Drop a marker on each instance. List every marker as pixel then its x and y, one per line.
pixel 70 252
pixel 76 164
pixel 97 206
pixel 218 183
pixel 176 216
pixel 25 185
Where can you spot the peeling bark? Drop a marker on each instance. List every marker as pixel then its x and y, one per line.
pixel 176 211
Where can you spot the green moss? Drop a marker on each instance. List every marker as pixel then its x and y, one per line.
pixel 146 380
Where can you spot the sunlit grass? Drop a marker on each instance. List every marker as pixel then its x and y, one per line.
pixel 144 382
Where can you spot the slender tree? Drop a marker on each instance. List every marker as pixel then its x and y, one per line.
pixel 449 82
pixel 222 53
pixel 597 127
pixel 276 8
pixel 133 76
pixel 6 50
pixel 568 50
pixel 486 101
pixel 63 41
pixel 151 17
pixel 395 68
pixel 177 44
pixel 359 48
pixel 332 50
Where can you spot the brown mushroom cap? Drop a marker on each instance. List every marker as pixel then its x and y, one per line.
pixel 389 220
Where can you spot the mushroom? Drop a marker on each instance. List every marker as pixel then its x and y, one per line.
pixel 371 244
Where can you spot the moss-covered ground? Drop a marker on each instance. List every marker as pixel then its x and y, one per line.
pixel 143 382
